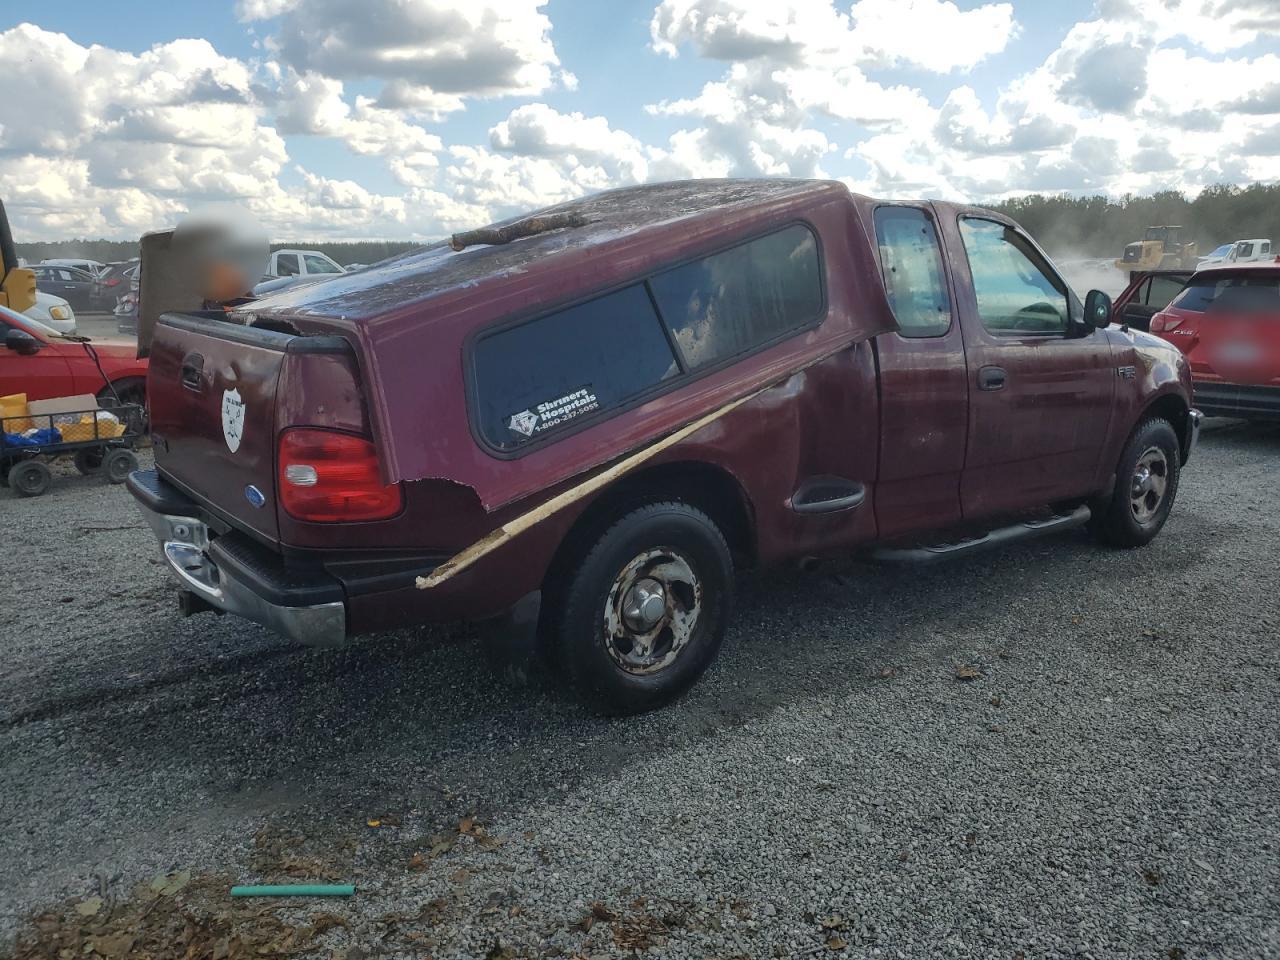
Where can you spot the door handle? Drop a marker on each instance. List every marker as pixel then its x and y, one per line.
pixel 992 378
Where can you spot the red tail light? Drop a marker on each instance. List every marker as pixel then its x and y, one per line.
pixel 1164 322
pixel 330 477
pixel 112 282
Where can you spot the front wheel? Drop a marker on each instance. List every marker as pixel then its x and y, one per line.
pixel 30 478
pixel 644 609
pixel 1146 484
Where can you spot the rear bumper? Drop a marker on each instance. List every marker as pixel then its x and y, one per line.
pixel 1238 400
pixel 232 574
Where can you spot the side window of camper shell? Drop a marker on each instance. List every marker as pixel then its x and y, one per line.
pixel 543 374
pixel 751 295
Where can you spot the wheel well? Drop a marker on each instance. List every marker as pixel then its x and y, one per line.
pixel 711 489
pixel 1172 408
pixel 117 386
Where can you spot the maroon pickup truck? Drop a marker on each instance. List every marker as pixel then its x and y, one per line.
pixel 574 427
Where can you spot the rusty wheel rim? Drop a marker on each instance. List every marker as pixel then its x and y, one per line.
pixel 1148 485
pixel 651 611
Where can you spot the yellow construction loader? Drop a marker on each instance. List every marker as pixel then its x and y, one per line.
pixel 1161 248
pixel 17 284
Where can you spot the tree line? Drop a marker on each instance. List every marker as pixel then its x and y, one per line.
pixel 113 251
pixel 1067 226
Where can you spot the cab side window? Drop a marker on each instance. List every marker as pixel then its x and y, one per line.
pixel 912 266
pixel 287 265
pixel 319 264
pixel 1016 293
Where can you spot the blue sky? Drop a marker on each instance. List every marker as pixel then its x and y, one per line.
pixel 352 119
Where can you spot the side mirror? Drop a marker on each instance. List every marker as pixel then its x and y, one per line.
pixel 1097 309
pixel 22 343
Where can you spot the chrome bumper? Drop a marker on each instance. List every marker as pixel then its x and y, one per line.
pixel 1194 420
pixel 184 541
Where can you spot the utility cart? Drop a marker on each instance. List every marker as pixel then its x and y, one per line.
pixel 100 440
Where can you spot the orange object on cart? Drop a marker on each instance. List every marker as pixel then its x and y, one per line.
pixel 14 415
pixel 108 427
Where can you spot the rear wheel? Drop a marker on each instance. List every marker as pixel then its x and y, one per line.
pixel 118 464
pixel 88 461
pixel 643 611
pixel 30 478
pixel 1146 484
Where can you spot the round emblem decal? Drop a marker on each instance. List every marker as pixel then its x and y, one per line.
pixel 232 419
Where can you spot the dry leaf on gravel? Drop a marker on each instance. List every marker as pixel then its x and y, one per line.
pixel 965 672
pixel 168 884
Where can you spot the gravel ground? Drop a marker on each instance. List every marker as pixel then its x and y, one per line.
pixel 1105 787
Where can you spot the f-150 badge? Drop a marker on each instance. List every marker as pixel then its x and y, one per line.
pixel 232 419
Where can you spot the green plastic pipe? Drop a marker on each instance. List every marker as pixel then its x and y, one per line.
pixel 296 890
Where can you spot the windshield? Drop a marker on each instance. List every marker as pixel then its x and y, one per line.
pixel 1221 251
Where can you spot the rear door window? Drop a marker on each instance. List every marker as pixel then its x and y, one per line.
pixel 287 265
pixel 744 298
pixel 1017 294
pixel 911 263
pixel 1162 290
pixel 544 374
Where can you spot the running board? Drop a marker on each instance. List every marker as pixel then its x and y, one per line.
pixel 1027 530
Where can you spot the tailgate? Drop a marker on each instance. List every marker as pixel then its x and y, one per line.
pixel 212 392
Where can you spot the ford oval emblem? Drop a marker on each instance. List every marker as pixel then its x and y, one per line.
pixel 254 495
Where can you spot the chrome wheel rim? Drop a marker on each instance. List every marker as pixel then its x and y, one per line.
pixel 651 611
pixel 1148 484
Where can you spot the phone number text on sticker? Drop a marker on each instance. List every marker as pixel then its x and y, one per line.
pixel 553 413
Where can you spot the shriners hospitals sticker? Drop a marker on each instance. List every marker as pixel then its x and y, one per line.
pixel 544 416
pixel 232 419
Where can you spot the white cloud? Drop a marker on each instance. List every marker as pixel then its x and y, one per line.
pixel 1216 25
pixel 941 37
pixel 536 130
pixel 428 53
pixel 1134 99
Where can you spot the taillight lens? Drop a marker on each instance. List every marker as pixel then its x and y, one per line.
pixel 1164 322
pixel 330 477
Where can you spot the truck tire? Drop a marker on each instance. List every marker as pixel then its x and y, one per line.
pixel 642 612
pixel 30 478
pixel 1146 484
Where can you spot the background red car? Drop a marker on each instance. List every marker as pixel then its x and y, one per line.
pixel 62 368
pixel 1227 322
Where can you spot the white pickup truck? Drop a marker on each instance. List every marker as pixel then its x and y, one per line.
pixel 288 267
pixel 1241 251
pixel 301 263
